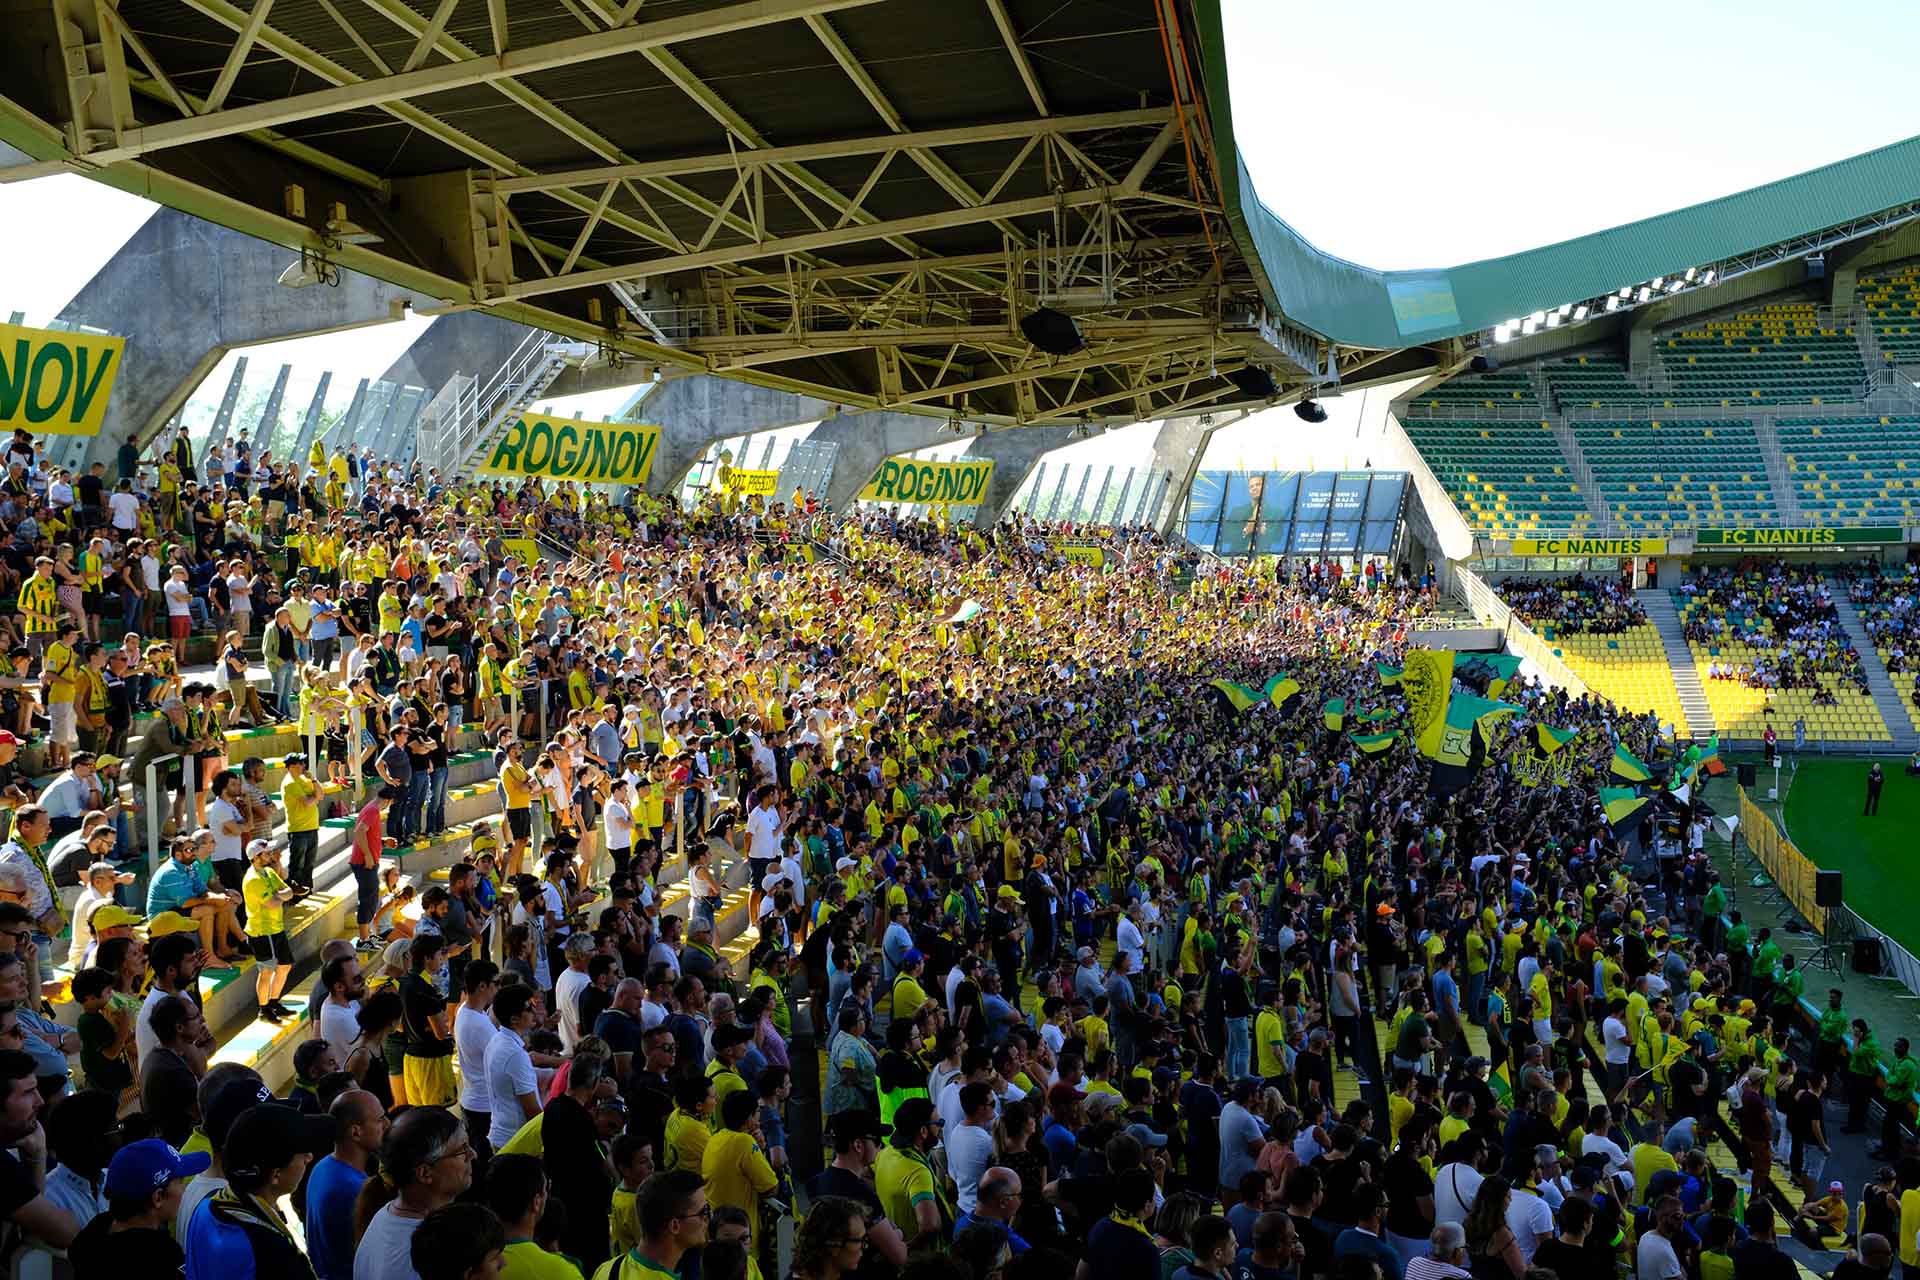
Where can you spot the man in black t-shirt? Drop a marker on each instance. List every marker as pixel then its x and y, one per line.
pixel 856 1137
pixel 424 1021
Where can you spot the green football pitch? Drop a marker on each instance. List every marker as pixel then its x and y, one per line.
pixel 1878 857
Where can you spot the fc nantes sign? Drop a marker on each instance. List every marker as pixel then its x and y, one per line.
pixel 1589 547
pixel 54 382
pixel 959 484
pixel 569 449
pixel 1864 536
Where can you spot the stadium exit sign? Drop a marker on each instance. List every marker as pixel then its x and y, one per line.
pixel 1863 535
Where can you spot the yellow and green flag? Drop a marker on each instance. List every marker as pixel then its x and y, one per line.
pixel 1547 739
pixel 1280 687
pixel 1238 696
pixel 1426 680
pixel 1623 806
pixel 1375 743
pixel 1334 712
pixel 1629 766
pixel 1389 675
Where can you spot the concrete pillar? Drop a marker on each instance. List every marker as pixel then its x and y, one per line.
pixel 1842 283
pixel 1177 450
pixel 185 292
pixel 694 412
pixel 1015 452
pixel 470 342
pixel 866 440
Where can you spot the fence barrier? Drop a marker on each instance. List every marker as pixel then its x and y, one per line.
pixel 1790 869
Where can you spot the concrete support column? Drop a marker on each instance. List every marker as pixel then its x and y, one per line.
pixel 470 342
pixel 185 292
pixel 866 440
pixel 694 412
pixel 1177 451
pixel 1015 452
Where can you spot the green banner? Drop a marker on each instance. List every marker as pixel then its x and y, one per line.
pixel 1865 535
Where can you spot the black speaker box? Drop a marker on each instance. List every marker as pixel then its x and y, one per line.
pixel 1054 332
pixel 1254 382
pixel 1749 773
pixel 1826 888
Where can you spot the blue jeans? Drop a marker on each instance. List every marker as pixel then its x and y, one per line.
pixel 437 800
pixel 1239 1049
pixel 1477 997
pixel 283 698
pixel 416 799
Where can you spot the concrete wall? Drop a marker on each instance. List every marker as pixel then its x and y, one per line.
pixel 184 292
pixel 695 412
pixel 469 342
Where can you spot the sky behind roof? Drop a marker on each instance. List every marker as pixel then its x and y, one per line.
pixel 1399 135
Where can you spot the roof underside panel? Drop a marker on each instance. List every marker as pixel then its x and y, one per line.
pixel 1362 307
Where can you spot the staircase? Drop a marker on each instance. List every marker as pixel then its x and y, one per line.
pixel 1886 699
pixel 1686 676
pixel 1582 472
pixel 1785 500
pixel 468 415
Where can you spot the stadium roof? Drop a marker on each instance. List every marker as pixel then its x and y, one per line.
pixel 1358 306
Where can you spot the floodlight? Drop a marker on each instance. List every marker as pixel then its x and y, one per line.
pixel 1566 308
pixel 1538 317
pixel 1310 411
pixel 1691 272
pixel 1553 319
pixel 1644 294
pixel 1658 281
pixel 1529 325
pixel 1580 313
pixel 1503 333
pixel 1626 291
pixel 1613 302
pixel 1708 278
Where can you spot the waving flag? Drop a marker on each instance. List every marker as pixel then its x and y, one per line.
pixel 1489 672
pixel 1238 696
pixel 1427 681
pixel 1280 688
pixel 1334 712
pixel 1623 806
pixel 1389 675
pixel 1629 766
pixel 1374 743
pixel 1547 739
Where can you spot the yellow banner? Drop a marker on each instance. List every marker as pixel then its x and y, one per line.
pixel 56 383
pixel 960 484
pixel 1589 547
pixel 1081 553
pixel 525 550
pixel 750 483
pixel 570 449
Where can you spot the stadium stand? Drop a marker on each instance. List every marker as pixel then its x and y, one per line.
pixel 1592 380
pixel 1504 476
pixel 1888 602
pixel 1780 353
pixel 1891 298
pixel 1600 631
pixel 1662 474
pixel 1863 470
pixel 1506 389
pixel 1769 642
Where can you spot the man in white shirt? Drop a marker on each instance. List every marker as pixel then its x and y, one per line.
pixel 1618 1045
pixel 1599 1139
pixel 1528 1215
pixel 345 986
pixel 101 878
pixel 229 826
pixel 513 1088
pixel 1128 938
pixel 567 989
pixel 970 1144
pixel 1454 1187
pixel 125 507
pixel 473 1033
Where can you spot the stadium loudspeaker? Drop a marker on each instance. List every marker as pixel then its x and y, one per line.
pixel 1054 332
pixel 1310 411
pixel 1252 381
pixel 1866 956
pixel 1749 773
pixel 1826 889
pixel 1483 364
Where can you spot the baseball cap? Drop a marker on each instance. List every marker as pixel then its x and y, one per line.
pixel 105 762
pixel 1006 891
pixel 111 916
pixel 845 864
pixel 1063 1094
pixel 295 757
pixel 1384 909
pixel 170 922
pixel 234 1100
pixel 268 1137
pixel 1084 953
pixel 1837 1187
pixel 1102 1101
pixel 913 1113
pixel 1147 1137
pixel 912 957
pixel 142 1168
pixel 257 847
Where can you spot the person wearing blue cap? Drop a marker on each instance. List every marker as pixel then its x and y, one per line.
pixel 143 1186
pixel 237 1233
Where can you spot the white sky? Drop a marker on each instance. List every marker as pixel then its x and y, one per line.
pixel 1398 134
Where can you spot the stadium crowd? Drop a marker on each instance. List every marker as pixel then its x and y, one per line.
pixel 1571 605
pixel 1784 613
pixel 1077 964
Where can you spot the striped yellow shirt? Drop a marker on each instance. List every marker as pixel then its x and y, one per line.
pixel 39 596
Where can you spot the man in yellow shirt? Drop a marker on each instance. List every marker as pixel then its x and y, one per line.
pixel 516 788
pixel 300 795
pixel 735 1167
pixel 910 1192
pixel 267 893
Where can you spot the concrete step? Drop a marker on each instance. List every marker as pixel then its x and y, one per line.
pixel 1886 698
pixel 1686 674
